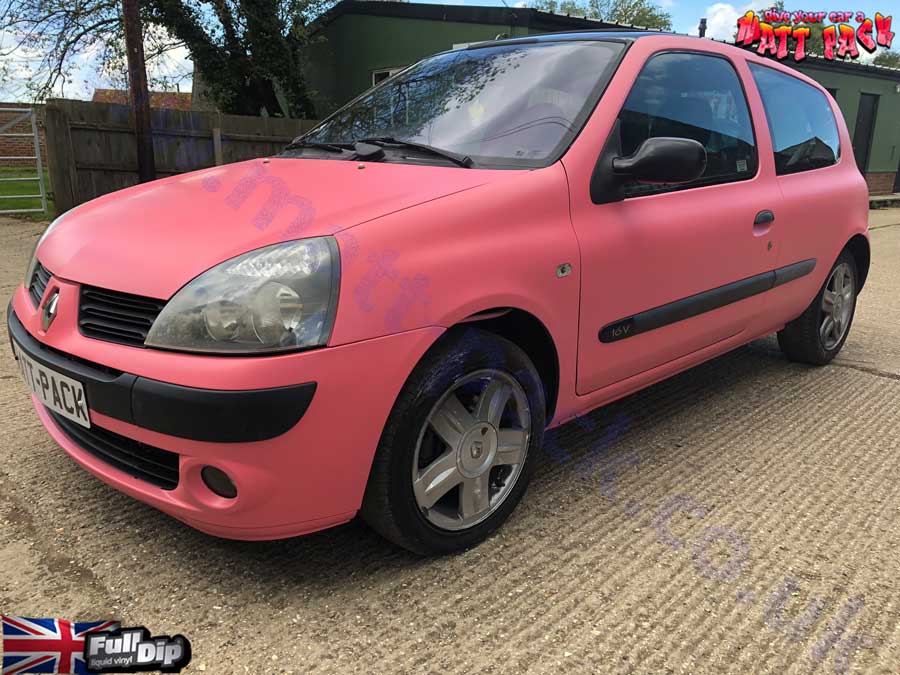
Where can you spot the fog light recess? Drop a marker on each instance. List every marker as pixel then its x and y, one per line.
pixel 219 482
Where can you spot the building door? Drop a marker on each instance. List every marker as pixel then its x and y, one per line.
pixel 865 126
pixel 897 180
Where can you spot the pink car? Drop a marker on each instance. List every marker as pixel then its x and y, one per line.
pixel 385 318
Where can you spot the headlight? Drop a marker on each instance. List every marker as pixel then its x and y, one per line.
pixel 274 299
pixel 32 262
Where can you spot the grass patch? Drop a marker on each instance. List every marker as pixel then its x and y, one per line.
pixel 10 188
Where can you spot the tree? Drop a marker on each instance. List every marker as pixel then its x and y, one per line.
pixel 250 52
pixel 635 12
pixel 47 40
pixel 887 58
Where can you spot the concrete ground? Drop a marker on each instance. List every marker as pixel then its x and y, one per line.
pixel 741 517
pixel 883 217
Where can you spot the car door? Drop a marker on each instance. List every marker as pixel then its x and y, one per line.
pixel 671 269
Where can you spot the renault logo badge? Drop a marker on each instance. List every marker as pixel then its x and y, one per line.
pixel 476 449
pixel 49 312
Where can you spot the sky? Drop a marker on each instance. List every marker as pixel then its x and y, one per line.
pixel 175 65
pixel 721 21
pixel 721 17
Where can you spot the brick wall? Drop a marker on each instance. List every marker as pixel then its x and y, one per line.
pixel 881 183
pixel 21 145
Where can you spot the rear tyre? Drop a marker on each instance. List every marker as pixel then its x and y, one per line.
pixel 459 446
pixel 817 335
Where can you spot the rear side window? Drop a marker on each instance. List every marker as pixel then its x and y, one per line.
pixel 804 133
pixel 694 96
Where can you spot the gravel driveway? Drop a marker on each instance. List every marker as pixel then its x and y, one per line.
pixel 741 517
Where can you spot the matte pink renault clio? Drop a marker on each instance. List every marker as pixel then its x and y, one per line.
pixel 385 318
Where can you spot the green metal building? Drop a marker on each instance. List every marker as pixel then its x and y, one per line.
pixel 362 42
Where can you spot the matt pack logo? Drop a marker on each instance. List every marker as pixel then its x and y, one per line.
pixel 134 649
pixel 779 32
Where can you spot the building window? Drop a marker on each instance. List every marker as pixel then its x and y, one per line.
pixel 379 76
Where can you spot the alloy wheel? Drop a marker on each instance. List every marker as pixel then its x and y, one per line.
pixel 837 306
pixel 471 449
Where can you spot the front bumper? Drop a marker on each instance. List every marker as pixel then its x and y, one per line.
pixel 187 412
pixel 300 461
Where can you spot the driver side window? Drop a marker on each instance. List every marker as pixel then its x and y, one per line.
pixel 695 96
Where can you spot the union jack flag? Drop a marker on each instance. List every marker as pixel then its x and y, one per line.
pixel 46 645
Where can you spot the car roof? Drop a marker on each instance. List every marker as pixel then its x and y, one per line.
pixel 589 34
pixel 628 36
pixel 677 40
pixel 600 34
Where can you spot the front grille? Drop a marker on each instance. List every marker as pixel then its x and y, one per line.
pixel 84 362
pixel 39 281
pixel 117 317
pixel 145 462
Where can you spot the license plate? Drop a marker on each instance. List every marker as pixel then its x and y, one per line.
pixel 61 394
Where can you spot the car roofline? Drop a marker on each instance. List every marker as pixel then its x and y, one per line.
pixel 587 34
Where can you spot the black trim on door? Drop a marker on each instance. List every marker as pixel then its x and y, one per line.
pixel 794 271
pixel 706 301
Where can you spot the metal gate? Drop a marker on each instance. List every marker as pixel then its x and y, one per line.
pixel 22 116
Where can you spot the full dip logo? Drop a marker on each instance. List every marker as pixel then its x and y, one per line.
pixel 777 32
pixel 133 649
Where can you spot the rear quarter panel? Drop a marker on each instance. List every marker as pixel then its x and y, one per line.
pixel 821 211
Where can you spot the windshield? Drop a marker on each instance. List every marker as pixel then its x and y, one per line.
pixel 507 105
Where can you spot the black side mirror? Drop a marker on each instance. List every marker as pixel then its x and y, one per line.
pixel 664 160
pixel 658 160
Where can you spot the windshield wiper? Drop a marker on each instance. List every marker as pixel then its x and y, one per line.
pixel 331 147
pixel 460 160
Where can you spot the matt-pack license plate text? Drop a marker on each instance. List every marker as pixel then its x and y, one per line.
pixel 61 394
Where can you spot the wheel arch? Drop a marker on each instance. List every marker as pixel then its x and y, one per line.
pixel 530 334
pixel 859 248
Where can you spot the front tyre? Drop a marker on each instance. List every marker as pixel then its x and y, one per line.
pixel 817 335
pixel 459 445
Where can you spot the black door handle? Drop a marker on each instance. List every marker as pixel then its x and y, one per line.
pixel 764 217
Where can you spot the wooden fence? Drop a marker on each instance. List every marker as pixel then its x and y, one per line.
pixel 91 146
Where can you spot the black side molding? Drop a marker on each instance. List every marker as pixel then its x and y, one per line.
pixel 795 271
pixel 215 415
pixel 706 301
